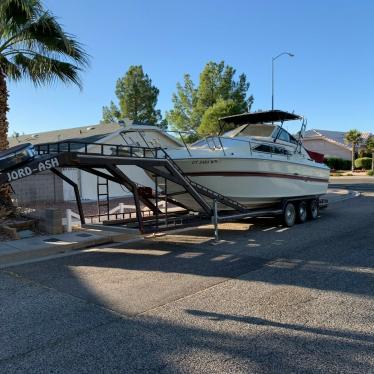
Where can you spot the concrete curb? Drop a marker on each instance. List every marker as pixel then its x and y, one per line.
pixel 24 255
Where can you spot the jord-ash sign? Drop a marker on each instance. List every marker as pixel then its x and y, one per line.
pixel 26 171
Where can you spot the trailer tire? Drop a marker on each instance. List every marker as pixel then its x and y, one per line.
pixel 289 215
pixel 313 209
pixel 302 212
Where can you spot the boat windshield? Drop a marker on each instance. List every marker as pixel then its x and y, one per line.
pixel 259 129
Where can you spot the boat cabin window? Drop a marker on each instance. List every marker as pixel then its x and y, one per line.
pixel 264 148
pixel 271 149
pixel 286 137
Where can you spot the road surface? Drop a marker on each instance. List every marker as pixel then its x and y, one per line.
pixel 266 299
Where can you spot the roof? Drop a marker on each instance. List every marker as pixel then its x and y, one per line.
pixel 89 134
pixel 259 117
pixel 336 137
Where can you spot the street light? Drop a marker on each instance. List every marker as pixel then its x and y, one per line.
pixel 272 75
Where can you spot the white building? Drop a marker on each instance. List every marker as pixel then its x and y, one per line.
pixel 46 186
pixel 330 143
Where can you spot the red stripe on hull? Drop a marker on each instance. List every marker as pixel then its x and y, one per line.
pixel 255 174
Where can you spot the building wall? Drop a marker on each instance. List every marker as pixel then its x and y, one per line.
pixel 41 187
pixel 327 148
pixel 87 183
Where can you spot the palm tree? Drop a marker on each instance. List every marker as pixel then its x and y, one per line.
pixel 353 137
pixel 34 46
pixel 370 148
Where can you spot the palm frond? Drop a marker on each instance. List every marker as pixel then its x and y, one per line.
pixel 45 36
pixel 32 43
pixel 41 69
pixel 10 69
pixel 15 13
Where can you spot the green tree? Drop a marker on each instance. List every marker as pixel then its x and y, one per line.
pixel 183 116
pixel 137 99
pixel 216 84
pixel 210 123
pixel 353 138
pixel 111 113
pixel 33 46
pixel 370 148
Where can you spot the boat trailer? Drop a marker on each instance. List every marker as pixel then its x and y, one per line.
pixel 103 160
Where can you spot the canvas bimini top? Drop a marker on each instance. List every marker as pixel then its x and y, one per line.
pixel 261 117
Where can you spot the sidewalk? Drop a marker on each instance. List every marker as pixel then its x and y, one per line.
pixel 364 177
pixel 16 251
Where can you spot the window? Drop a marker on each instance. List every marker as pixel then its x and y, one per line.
pixel 284 135
pixel 264 148
pixel 280 151
pixel 272 149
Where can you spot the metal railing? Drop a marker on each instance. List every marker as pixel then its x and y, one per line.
pixel 214 142
pixel 101 149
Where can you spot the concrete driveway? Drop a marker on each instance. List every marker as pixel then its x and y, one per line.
pixel 265 299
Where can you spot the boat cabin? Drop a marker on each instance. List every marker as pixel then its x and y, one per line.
pixel 261 125
pixel 262 130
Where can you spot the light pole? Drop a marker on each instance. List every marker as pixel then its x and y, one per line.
pixel 272 75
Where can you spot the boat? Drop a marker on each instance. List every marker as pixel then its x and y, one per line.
pixel 256 162
pixel 16 156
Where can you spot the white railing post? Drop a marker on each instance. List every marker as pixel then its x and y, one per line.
pixel 70 216
pixel 69 221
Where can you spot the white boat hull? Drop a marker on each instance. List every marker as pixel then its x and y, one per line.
pixel 252 182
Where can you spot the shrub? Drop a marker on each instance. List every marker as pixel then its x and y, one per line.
pixel 363 163
pixel 370 173
pixel 336 163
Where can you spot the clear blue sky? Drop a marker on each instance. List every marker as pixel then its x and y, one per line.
pixel 330 80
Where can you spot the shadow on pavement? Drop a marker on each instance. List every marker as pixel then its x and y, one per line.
pixel 332 254
pixel 289 326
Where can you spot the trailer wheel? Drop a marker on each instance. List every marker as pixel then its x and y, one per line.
pixel 313 209
pixel 302 212
pixel 289 215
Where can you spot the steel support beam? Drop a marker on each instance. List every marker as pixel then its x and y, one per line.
pixel 110 177
pixel 134 189
pixel 179 179
pixel 76 192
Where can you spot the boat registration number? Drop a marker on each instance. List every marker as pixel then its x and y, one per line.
pixel 27 170
pixel 200 162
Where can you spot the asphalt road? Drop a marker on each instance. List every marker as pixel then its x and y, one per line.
pixel 265 299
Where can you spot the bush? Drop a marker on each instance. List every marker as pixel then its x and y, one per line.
pixel 363 163
pixel 370 173
pixel 336 163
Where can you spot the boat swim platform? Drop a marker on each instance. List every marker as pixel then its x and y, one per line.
pixel 103 160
